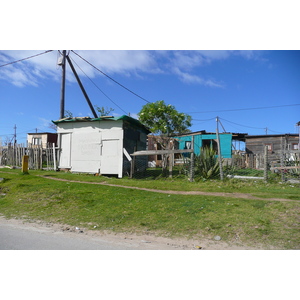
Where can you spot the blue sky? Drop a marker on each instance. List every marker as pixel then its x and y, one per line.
pixel 241 87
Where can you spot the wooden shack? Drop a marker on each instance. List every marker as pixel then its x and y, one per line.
pixel 255 144
pixel 99 145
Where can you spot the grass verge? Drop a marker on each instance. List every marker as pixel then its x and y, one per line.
pixel 273 224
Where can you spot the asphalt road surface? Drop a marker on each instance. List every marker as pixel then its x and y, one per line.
pixel 16 235
pixel 12 238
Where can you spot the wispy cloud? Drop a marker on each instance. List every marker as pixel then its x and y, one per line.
pixel 194 79
pixel 29 72
pixel 183 64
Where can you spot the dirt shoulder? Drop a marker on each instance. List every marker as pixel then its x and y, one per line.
pixel 133 241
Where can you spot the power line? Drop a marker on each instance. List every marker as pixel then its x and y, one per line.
pixel 98 86
pixel 241 124
pixel 16 61
pixel 265 128
pixel 239 109
pixel 111 78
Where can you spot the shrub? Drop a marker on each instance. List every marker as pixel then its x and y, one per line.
pixel 206 164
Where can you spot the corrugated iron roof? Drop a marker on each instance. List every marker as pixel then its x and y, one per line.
pixel 103 118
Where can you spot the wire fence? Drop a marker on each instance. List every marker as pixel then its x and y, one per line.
pixel 284 166
pixel 144 167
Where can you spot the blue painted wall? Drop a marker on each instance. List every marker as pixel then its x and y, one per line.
pixel 225 142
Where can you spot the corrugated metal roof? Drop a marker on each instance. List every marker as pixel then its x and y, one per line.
pixel 103 118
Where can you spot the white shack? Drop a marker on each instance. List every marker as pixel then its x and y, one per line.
pixel 99 145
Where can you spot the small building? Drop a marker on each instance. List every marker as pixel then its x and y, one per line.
pixel 206 139
pixel 41 139
pixel 255 144
pixel 99 145
pixel 201 139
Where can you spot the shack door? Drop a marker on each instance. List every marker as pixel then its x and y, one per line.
pixel 65 154
pixel 112 154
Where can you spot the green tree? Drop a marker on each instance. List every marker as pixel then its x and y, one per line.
pixel 103 111
pixel 165 122
pixel 163 119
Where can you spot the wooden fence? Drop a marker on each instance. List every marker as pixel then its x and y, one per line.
pixel 39 158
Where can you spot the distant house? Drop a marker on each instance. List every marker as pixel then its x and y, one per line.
pixel 201 139
pixel 255 144
pixel 99 145
pixel 41 139
pixel 206 139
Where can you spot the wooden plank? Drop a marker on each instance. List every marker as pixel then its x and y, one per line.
pixel 127 154
pixel 160 152
pixel 285 168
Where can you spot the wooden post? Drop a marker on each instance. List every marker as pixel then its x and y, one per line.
pixel 54 157
pixel 219 150
pixel 132 165
pixel 63 83
pixel 266 164
pixel 25 160
pixel 282 162
pixel 192 164
pixel 171 159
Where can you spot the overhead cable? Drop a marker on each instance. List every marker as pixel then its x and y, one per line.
pixel 238 109
pixel 16 61
pixel 111 78
pixel 98 86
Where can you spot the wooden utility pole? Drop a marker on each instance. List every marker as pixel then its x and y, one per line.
pixel 266 164
pixel 219 150
pixel 63 84
pixel 15 135
pixel 82 88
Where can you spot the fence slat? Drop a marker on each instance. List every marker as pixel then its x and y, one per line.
pixel 12 155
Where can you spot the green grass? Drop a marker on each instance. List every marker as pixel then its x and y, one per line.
pixel 272 224
pixel 258 188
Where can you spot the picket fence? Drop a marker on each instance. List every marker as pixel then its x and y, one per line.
pixel 39 158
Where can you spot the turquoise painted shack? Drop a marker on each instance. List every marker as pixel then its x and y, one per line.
pixel 206 139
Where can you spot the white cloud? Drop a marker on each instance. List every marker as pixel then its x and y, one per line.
pixel 126 62
pixel 28 72
pixel 194 79
pixel 31 71
pixel 117 61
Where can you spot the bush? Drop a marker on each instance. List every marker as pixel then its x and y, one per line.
pixel 206 164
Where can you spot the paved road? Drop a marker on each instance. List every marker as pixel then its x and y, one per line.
pixel 15 235
pixel 26 239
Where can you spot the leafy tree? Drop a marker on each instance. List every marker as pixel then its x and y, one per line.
pixel 163 119
pixel 103 111
pixel 165 122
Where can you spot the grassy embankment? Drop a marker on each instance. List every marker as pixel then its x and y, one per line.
pixel 273 224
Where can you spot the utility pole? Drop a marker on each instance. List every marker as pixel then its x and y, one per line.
pixel 82 88
pixel 219 150
pixel 15 135
pixel 266 129
pixel 62 62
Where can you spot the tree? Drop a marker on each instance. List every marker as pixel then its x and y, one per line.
pixel 68 114
pixel 165 122
pixel 163 119
pixel 103 111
